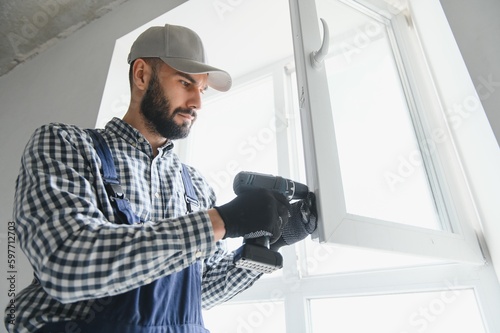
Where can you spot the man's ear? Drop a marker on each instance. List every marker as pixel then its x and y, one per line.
pixel 141 73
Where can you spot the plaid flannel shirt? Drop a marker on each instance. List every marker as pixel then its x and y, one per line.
pixel 65 225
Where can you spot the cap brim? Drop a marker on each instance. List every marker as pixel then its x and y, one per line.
pixel 217 78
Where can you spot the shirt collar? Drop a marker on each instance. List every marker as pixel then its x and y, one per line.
pixel 134 137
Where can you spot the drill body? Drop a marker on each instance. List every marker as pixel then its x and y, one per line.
pixel 245 181
pixel 255 253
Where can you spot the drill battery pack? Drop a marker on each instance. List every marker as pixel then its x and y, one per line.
pixel 257 258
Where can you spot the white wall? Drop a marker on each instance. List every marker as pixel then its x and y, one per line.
pixel 65 83
pixel 476 27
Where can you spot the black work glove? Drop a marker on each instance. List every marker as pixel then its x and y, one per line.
pixel 302 222
pixel 255 213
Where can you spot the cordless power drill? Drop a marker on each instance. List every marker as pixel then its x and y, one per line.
pixel 255 253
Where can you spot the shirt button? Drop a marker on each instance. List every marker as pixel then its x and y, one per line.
pixel 140 140
pixel 198 254
pixel 157 195
pixel 148 281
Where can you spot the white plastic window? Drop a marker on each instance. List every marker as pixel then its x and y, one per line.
pixel 365 129
pixel 256 126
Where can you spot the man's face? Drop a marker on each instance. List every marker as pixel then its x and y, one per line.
pixel 172 116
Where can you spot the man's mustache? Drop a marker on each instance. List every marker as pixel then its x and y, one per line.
pixel 187 111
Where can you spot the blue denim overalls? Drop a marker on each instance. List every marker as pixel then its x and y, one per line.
pixel 171 304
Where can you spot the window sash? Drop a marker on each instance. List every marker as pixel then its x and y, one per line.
pixel 336 224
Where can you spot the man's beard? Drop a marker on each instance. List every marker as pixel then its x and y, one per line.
pixel 156 110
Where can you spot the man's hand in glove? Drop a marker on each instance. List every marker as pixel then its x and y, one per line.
pixel 302 222
pixel 254 214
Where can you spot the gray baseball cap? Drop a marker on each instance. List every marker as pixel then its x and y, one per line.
pixel 180 48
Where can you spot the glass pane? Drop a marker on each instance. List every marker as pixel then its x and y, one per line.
pixel 235 131
pixel 221 145
pixel 262 317
pixel 381 164
pixel 431 312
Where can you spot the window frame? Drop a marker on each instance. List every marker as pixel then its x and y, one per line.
pixel 336 224
pixel 295 290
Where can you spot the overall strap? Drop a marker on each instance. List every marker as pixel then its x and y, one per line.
pixel 189 193
pixel 121 206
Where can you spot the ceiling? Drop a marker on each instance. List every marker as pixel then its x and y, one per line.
pixel 29 27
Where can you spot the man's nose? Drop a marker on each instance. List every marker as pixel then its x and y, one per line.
pixel 194 101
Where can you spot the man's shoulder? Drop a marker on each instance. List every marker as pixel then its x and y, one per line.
pixel 53 134
pixel 56 127
pixel 62 130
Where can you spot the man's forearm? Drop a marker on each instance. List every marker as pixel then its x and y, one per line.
pixel 217 224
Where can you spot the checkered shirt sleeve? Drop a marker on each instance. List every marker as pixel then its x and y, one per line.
pixel 65 225
pixel 218 288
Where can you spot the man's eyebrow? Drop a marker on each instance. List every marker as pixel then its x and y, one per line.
pixel 190 79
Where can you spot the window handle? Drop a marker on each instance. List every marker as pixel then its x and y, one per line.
pixel 317 57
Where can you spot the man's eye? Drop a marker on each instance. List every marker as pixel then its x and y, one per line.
pixel 185 83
